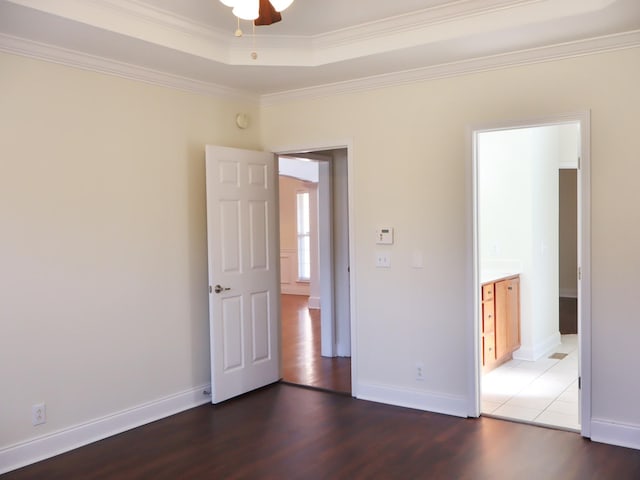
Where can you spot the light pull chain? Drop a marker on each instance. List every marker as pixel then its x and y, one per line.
pixel 254 53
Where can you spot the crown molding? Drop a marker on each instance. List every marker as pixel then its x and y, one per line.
pixel 410 22
pixel 494 62
pixel 71 58
pixel 29 48
pixel 140 21
pixel 456 19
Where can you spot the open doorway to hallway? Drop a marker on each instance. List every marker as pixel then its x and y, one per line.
pixel 314 270
pixel 529 357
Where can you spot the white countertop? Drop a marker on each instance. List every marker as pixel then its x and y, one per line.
pixel 487 276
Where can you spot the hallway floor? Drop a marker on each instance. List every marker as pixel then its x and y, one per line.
pixel 543 392
pixel 302 363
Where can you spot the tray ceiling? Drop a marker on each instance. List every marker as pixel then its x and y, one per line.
pixel 318 42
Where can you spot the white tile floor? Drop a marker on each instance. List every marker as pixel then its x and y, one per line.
pixel 543 392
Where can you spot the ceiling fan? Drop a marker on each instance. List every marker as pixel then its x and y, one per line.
pixel 261 12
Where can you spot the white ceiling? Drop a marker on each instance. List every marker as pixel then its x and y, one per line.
pixel 318 42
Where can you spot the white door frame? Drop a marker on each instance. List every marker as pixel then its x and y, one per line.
pixel 583 118
pixel 318 147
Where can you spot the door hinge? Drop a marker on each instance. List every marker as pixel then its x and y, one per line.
pixel 579 162
pixel 579 273
pixel 579 383
pixel 210 289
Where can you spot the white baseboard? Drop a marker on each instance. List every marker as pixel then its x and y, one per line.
pixel 568 293
pixel 417 399
pixel 623 435
pixel 314 302
pixel 46 446
pixel 534 352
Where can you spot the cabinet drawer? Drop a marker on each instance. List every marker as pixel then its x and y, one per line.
pixel 488 349
pixel 488 317
pixel 487 291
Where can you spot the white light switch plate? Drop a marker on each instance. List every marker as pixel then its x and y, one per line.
pixel 383 260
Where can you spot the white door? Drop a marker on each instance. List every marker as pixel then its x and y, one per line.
pixel 243 275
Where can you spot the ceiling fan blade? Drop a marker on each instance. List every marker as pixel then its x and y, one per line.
pixel 268 14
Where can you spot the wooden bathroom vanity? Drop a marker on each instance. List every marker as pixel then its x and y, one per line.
pixel 500 322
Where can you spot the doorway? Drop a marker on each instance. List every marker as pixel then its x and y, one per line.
pixel 527 370
pixel 314 266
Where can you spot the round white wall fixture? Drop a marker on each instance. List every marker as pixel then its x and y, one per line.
pixel 242 120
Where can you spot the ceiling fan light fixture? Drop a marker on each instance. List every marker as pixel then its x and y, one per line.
pixel 247 9
pixel 280 5
pixel 252 9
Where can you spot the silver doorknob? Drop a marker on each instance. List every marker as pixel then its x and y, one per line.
pixel 219 288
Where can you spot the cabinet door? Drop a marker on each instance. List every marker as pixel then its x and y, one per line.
pixel 488 350
pixel 513 313
pixel 501 313
pixel 488 317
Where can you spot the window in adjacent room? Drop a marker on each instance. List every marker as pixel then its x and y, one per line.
pixel 304 237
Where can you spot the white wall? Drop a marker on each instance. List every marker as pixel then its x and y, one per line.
pixel 410 170
pixel 103 264
pixel 518 225
pixel 519 205
pixel 545 327
pixel 505 196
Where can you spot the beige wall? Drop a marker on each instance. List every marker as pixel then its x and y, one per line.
pixel 289 187
pixel 288 230
pixel 103 302
pixel 568 215
pixel 103 263
pixel 409 169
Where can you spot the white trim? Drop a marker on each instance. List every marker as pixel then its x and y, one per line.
pixel 29 48
pixel 92 63
pixel 539 349
pixel 584 263
pixel 410 398
pixel 411 22
pixel 462 18
pixel 324 237
pixel 475 65
pixel 49 445
pixel 314 303
pixel 623 435
pixel 472 280
pixel 568 293
pixel 584 256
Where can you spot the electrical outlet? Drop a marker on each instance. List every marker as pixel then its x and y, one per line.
pixel 39 414
pixel 419 371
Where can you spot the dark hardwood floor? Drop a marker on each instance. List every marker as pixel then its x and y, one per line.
pixel 302 363
pixel 285 432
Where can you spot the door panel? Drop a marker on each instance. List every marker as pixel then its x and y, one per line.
pixel 243 252
pixel 232 333
pixel 258 235
pixel 230 235
pixel 261 326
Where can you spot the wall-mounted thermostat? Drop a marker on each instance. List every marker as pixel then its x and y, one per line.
pixel 384 236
